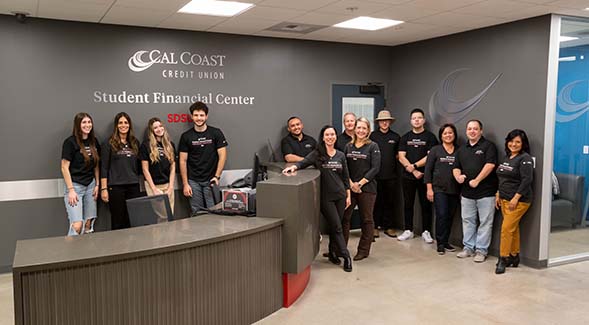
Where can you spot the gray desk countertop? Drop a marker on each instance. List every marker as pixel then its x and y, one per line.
pixel 139 241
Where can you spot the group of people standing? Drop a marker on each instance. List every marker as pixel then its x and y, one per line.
pixel 112 170
pixel 359 167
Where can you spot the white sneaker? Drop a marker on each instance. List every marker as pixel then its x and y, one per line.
pixel 407 234
pixel 427 237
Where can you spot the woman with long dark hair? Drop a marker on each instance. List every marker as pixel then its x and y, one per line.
pixel 363 156
pixel 335 190
pixel 79 167
pixel 515 173
pixel 442 188
pixel 158 160
pixel 119 180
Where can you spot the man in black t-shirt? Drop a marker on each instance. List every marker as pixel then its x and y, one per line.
pixel 475 170
pixel 296 145
pixel 202 158
pixel 346 136
pixel 387 180
pixel 413 150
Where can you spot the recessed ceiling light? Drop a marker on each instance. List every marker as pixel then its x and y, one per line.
pixel 586 9
pixel 215 8
pixel 368 23
pixel 566 38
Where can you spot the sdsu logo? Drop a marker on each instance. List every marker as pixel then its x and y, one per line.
pixel 179 118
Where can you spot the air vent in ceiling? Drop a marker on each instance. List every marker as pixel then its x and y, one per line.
pixel 297 28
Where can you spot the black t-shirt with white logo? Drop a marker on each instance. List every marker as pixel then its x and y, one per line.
pixel 202 152
pixel 515 176
pixel 342 140
pixel 335 178
pixel 291 145
pixel 364 162
pixel 159 170
pixel 471 160
pixel 416 146
pixel 81 173
pixel 389 148
pixel 121 167
pixel 438 170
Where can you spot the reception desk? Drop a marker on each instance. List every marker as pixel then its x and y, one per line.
pixel 295 199
pixel 205 270
pixel 209 269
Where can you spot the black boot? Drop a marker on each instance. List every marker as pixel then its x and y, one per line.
pixel 347 264
pixel 501 264
pixel 333 258
pixel 513 260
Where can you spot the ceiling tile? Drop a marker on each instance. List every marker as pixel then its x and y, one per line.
pixel 535 1
pixel 324 19
pixel 530 12
pixel 191 22
pixel 282 14
pixel 571 4
pixel 243 25
pixel 135 16
pixel 390 2
pixel 278 34
pixel 405 12
pixel 458 20
pixel 572 12
pixel 493 8
pixel 91 11
pixel 28 6
pixel 443 4
pixel 297 4
pixel 167 5
pixel 362 8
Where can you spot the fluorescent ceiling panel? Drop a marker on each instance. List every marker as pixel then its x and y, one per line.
pixel 368 23
pixel 566 38
pixel 215 8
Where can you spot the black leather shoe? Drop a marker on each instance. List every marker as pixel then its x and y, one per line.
pixel 333 258
pixel 347 264
pixel 501 264
pixel 360 257
pixel 513 260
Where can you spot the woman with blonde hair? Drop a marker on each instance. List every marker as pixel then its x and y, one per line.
pixel 79 167
pixel 158 160
pixel 363 157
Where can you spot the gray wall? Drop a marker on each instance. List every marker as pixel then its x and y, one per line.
pixel 519 51
pixel 49 70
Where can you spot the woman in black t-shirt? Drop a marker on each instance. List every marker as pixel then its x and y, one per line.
pixel 79 167
pixel 514 196
pixel 335 190
pixel 442 188
pixel 119 179
pixel 363 156
pixel 158 161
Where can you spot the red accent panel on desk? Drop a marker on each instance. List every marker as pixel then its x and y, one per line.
pixel 293 285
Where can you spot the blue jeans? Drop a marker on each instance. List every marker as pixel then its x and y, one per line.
pixel 84 210
pixel 202 196
pixel 483 211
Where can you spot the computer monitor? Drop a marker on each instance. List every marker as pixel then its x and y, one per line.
pixel 148 210
pixel 259 172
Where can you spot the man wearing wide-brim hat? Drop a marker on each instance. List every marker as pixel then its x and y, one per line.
pixel 387 181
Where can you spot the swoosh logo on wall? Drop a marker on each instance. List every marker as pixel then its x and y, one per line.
pixel 445 108
pixel 137 64
pixel 567 109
